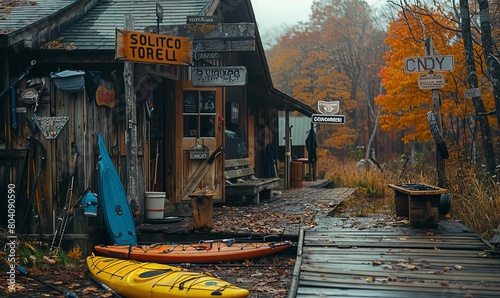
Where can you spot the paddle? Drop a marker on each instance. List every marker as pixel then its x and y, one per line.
pixel 191 265
pixel 66 293
pixel 104 286
pixel 230 241
pixel 227 241
pixel 244 239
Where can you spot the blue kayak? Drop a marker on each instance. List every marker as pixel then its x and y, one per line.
pixel 113 200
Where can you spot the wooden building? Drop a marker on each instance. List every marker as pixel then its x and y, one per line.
pixel 159 120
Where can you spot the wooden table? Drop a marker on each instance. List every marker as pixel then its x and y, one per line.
pixel 419 202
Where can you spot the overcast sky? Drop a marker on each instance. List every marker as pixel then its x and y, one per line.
pixel 271 14
pixel 274 13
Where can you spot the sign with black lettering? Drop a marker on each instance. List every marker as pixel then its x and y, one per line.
pixel 202 19
pixel 431 81
pixel 153 48
pixel 429 63
pixel 219 76
pixel 329 119
pixel 199 151
pixel 473 92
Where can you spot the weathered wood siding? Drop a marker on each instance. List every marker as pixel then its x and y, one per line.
pixel 85 120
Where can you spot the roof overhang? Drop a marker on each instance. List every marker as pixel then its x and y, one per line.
pixel 40 30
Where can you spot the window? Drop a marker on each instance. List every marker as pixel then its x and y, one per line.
pixel 199 114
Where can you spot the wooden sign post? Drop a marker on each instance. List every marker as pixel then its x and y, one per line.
pixel 430 64
pixel 436 103
pixel 131 131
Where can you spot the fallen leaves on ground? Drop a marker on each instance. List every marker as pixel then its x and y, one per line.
pixel 267 277
pixel 268 219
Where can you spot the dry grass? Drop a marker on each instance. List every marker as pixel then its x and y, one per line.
pixel 358 205
pixel 475 200
pixel 369 183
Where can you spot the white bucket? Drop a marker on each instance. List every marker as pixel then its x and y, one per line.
pixel 155 204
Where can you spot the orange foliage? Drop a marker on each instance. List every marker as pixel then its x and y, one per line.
pixel 404 105
pixel 335 57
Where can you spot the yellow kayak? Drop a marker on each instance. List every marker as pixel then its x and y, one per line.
pixel 141 279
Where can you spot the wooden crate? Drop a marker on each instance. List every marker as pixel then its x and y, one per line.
pixel 419 202
pixel 202 203
pixel 401 202
pixel 424 210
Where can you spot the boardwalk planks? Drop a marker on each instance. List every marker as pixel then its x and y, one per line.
pixel 448 261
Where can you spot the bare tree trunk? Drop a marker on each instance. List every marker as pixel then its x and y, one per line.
pixel 472 80
pixel 371 112
pixel 373 134
pixel 487 44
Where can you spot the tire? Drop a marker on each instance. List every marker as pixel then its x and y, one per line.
pixel 436 134
pixel 444 206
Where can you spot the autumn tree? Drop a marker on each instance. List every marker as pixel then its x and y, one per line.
pixel 334 57
pixel 484 21
pixel 405 105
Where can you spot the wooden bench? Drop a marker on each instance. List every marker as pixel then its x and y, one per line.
pixel 241 182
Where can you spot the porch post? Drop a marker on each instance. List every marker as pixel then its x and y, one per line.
pixel 288 149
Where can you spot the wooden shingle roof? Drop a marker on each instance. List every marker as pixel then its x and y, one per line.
pixel 90 26
pixel 96 30
pixel 21 14
pixel 87 24
pixel 32 23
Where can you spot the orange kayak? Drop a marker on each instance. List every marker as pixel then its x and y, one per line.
pixel 203 252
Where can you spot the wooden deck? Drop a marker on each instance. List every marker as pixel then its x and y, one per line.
pixel 372 256
pixel 448 261
pixel 362 256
